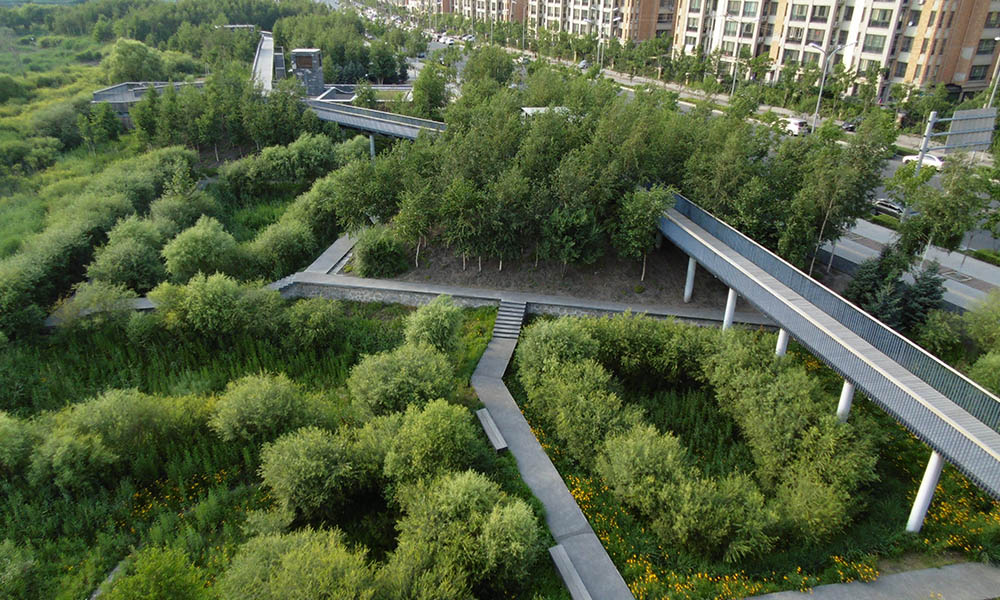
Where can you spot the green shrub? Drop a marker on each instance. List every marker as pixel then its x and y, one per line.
pixel 986 371
pixel 11 88
pixel 581 402
pixel 885 221
pixel 987 255
pixel 391 381
pixel 131 60
pixel 95 304
pixel 131 258
pixel 259 408
pixel 436 324
pixel 546 345
pixel 309 472
pixel 379 253
pixel 983 322
pixel 302 565
pixel 278 169
pixel 203 248
pixel 283 247
pixel 73 461
pixel 57 121
pixel 160 574
pixel 217 305
pixel 173 213
pixel 16 566
pixel 942 334
pixel 316 209
pixel 435 440
pixel 17 439
pixel 638 464
pixel 465 521
pixel 316 323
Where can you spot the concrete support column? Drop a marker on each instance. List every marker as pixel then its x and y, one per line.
pixel 689 282
pixel 846 398
pixel 782 346
pixel 727 321
pixel 925 494
pixel 371 145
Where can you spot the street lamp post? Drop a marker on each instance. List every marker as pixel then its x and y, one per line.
pixel 822 79
pixel 995 70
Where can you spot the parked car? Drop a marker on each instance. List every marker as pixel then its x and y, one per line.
pixel 584 64
pixel 796 126
pixel 885 206
pixel 929 160
pixel 851 124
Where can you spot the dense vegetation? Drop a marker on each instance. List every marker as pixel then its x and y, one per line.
pixel 228 444
pixel 710 468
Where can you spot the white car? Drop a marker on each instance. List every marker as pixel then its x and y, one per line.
pixel 796 126
pixel 929 160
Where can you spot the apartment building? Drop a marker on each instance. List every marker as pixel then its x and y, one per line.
pixel 919 42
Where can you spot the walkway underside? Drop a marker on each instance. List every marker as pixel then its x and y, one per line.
pixel 963 439
pixel 373 121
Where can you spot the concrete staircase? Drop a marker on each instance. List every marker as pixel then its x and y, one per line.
pixel 509 320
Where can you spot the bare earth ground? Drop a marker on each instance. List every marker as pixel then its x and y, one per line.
pixel 609 279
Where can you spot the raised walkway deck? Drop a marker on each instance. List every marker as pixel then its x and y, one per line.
pixel 950 413
pixel 374 121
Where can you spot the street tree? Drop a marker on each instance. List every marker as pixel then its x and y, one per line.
pixel 634 235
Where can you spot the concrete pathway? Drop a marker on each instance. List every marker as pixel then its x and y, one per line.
pixel 965 581
pixel 566 521
pixel 332 256
pixel 358 288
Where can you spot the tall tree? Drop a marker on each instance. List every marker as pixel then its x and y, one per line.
pixel 634 235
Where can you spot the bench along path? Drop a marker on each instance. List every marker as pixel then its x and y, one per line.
pixel 579 556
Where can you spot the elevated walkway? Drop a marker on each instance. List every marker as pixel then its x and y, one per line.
pixel 374 121
pixel 263 62
pixel 946 410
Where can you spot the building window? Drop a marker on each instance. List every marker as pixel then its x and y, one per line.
pixel 663 18
pixel 880 17
pixel 914 18
pixel 820 14
pixel 951 17
pixel 842 38
pixel 901 69
pixel 689 40
pixel 747 30
pixel 795 35
pixel 733 8
pixel 768 29
pixel 993 19
pixel 694 6
pixel 923 46
pixel 727 48
pixel 930 21
pixel 906 44
pixel 799 12
pixel 810 58
pixel 692 24
pixel 749 9
pixel 730 28
pixel 815 36
pixel 873 43
pixel 791 57
pixel 848 13
pixel 772 8
pixel 978 72
pixel 986 46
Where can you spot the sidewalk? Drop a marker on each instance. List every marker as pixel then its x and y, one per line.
pixel 964 581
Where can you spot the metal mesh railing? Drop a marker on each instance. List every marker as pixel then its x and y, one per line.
pixel 934 426
pixel 379 115
pixel 949 382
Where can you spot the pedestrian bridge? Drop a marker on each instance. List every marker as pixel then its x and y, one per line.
pixel 373 121
pixel 953 415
